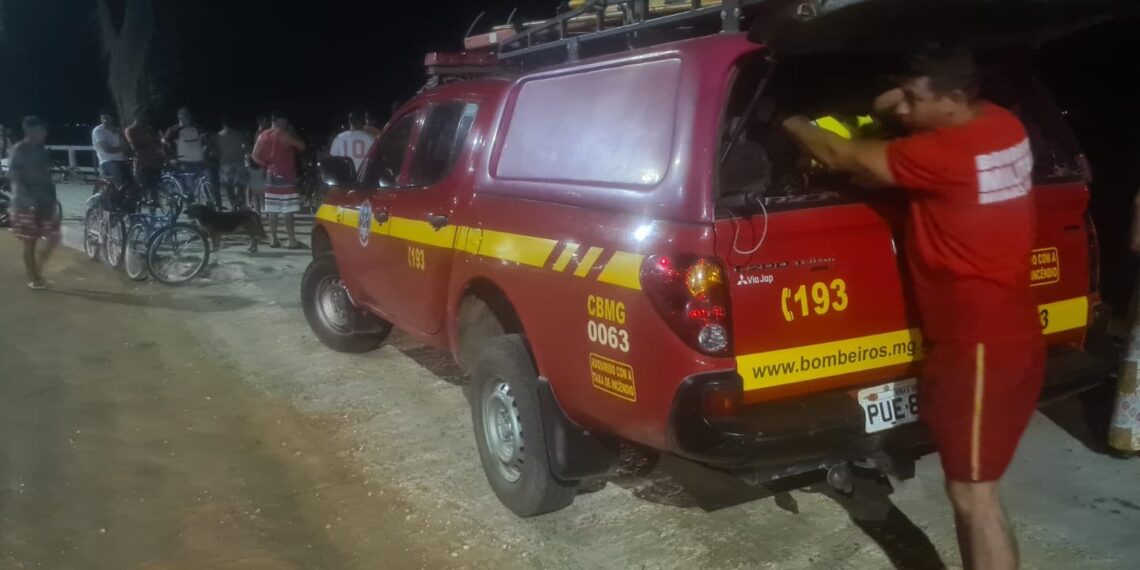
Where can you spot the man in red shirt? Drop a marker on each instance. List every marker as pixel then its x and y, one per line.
pixel 967 171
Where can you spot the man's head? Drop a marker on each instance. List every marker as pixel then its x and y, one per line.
pixel 35 129
pixel 355 121
pixel 280 121
pixel 369 118
pixel 107 118
pixel 264 122
pixel 939 89
pixel 184 117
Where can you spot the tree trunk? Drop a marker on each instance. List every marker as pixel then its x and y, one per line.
pixel 127 46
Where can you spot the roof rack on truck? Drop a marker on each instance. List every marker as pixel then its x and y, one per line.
pixel 605 26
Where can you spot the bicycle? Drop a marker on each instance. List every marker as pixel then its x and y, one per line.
pixel 187 186
pixel 104 227
pixel 181 247
pixel 142 227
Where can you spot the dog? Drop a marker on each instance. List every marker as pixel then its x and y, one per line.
pixel 218 223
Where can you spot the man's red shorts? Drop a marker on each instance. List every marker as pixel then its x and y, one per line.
pixel 32 224
pixel 977 399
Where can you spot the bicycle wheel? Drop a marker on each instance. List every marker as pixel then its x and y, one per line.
pixel 170 195
pixel 116 242
pixel 204 193
pixel 91 234
pixel 178 253
pixel 134 258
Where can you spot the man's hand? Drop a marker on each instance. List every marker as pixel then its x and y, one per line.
pixel 866 160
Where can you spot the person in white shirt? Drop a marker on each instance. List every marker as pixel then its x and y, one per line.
pixel 353 143
pixel 111 149
pixel 190 148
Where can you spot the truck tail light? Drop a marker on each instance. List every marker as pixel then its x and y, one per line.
pixel 1094 254
pixel 690 293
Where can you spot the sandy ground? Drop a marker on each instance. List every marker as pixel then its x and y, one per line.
pixel 394 423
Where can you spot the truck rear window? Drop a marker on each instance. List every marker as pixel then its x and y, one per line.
pixel 610 126
pixel 763 162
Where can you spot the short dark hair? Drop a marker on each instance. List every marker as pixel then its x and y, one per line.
pixel 33 122
pixel 278 114
pixel 949 70
pixel 355 119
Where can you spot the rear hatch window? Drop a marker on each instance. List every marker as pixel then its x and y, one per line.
pixel 759 160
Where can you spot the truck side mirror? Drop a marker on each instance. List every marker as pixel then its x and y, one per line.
pixel 338 172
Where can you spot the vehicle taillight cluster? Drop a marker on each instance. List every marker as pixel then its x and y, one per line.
pixel 691 294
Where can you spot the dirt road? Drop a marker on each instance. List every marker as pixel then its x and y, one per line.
pixel 124 444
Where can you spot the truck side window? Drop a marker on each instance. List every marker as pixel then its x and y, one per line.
pixel 387 160
pixel 441 141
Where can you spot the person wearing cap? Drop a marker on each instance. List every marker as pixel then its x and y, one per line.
pixel 353 143
pixel 276 149
pixel 966 168
pixel 35 208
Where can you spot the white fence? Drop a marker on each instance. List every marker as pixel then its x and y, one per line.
pixel 89 163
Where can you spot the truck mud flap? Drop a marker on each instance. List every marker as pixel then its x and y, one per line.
pixel 573 451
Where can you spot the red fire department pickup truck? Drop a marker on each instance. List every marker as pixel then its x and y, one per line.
pixel 623 248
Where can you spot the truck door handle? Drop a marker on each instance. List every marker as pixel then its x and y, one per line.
pixel 437 221
pixel 381 215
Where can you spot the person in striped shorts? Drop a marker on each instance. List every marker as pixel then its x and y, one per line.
pixel 276 150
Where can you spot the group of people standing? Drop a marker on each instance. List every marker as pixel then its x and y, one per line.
pixel 261 176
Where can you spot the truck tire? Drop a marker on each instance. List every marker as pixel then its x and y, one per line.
pixel 508 430
pixel 331 314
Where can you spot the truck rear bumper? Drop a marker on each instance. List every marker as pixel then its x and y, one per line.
pixel 799 434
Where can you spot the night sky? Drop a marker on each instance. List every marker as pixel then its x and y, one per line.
pixel 242 57
pixel 245 57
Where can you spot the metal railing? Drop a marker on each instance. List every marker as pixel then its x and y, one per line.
pixel 89 166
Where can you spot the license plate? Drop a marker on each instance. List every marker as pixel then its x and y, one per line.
pixel 890 405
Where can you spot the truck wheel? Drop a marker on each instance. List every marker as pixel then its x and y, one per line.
pixel 508 430
pixel 331 314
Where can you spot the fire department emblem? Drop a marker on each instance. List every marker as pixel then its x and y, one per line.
pixel 364 224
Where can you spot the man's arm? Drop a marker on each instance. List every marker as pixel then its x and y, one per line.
pixel 16 167
pixel 105 145
pixel 866 160
pixel 258 154
pixel 293 139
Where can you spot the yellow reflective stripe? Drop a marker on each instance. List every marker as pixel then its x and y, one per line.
pixel 564 259
pixel 1065 315
pixel 588 261
pixel 419 231
pixel 979 401
pixel 834 125
pixel 327 213
pixel 824 360
pixel 623 270
pixel 527 250
pixel 864 120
